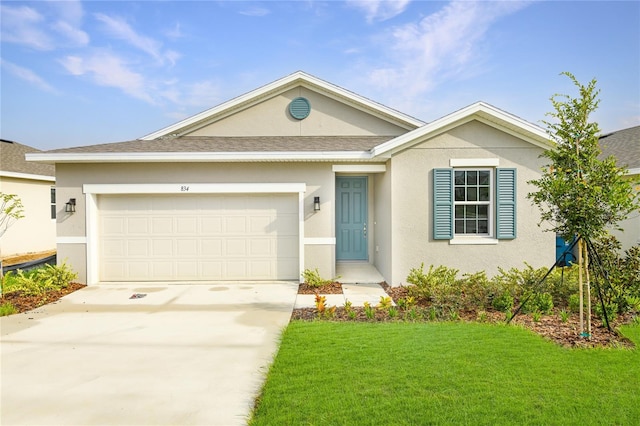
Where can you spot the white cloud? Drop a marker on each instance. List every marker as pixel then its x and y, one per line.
pixel 380 10
pixel 175 32
pixel 255 11
pixel 120 29
pixel 75 35
pixel 444 45
pixel 23 25
pixel 107 69
pixel 27 75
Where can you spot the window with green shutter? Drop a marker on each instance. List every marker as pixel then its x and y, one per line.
pixel 474 203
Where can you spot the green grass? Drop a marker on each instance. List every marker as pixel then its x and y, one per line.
pixel 444 373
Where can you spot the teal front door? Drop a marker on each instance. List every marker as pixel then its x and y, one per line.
pixel 351 218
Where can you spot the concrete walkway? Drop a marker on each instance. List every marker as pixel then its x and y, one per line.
pixel 180 355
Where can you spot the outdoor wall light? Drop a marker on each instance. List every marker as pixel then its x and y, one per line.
pixel 316 204
pixel 70 206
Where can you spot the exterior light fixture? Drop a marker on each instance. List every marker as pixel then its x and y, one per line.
pixel 316 204
pixel 70 206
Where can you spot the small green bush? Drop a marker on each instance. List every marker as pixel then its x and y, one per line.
pixel 7 309
pixel 313 279
pixel 56 276
pixel 503 302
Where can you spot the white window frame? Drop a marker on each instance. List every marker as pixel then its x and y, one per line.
pixel 476 164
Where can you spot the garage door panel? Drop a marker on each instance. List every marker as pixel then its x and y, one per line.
pixel 198 237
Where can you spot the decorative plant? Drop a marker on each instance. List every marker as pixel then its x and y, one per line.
pixel 321 303
pixel 579 194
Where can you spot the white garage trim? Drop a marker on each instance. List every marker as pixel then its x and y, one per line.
pixel 92 191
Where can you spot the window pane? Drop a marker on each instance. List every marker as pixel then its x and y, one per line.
pixel 53 195
pixel 483 178
pixel 460 194
pixel 472 178
pixel 459 178
pixel 484 194
pixel 472 194
pixel 483 227
pixel 470 212
pixel 459 227
pixel 459 212
pixel 53 211
pixel 471 226
pixel 483 212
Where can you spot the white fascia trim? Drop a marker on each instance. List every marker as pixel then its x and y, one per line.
pixel 359 168
pixel 477 110
pixel 274 87
pixel 317 241
pixel 190 157
pixel 474 162
pixel 71 240
pixel 195 188
pixel 27 176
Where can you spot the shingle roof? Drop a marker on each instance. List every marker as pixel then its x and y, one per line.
pixel 12 160
pixel 236 144
pixel 624 145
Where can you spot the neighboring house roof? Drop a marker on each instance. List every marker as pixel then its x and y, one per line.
pixel 173 143
pixel 14 164
pixel 625 146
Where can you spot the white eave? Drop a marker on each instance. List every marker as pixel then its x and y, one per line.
pixel 480 111
pixel 162 157
pixel 28 176
pixel 282 85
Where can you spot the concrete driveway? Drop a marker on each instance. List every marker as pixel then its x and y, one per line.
pixel 181 355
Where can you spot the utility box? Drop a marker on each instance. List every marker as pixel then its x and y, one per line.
pixel 566 258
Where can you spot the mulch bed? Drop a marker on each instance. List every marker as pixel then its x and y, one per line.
pixel 550 326
pixel 25 303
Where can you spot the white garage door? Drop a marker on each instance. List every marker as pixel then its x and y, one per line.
pixel 198 237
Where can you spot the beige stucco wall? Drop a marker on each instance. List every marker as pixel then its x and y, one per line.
pixel 319 178
pixel 383 248
pixel 36 232
pixel 412 194
pixel 328 117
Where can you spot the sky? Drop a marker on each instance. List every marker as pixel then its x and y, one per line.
pixel 77 73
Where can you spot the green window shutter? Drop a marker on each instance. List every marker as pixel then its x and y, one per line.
pixel 442 204
pixel 505 204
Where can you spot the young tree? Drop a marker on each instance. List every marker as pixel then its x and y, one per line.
pixel 578 193
pixel 11 210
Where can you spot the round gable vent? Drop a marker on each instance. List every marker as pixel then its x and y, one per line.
pixel 299 108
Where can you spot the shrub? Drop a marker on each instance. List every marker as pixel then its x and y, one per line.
pixel 313 279
pixel 437 285
pixel 574 303
pixel 503 302
pixel 623 273
pixel 7 309
pixel 57 276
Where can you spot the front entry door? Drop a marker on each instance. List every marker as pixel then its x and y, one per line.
pixel 351 218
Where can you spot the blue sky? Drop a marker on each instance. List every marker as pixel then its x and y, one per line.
pixel 79 73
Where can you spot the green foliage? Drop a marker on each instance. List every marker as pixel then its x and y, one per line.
pixel 385 303
pixel 27 283
pixel 578 193
pixel 434 285
pixel 58 276
pixel 393 312
pixel 623 273
pixel 564 315
pixel 313 279
pixel 542 302
pixel 503 302
pixel 536 315
pixel 369 311
pixel 7 309
pixel 574 303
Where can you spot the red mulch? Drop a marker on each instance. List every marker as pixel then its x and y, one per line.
pixel 332 288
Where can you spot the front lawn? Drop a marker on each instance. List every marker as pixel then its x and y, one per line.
pixel 329 373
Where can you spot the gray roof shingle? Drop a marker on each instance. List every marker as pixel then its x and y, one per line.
pixel 236 144
pixel 623 145
pixel 12 160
